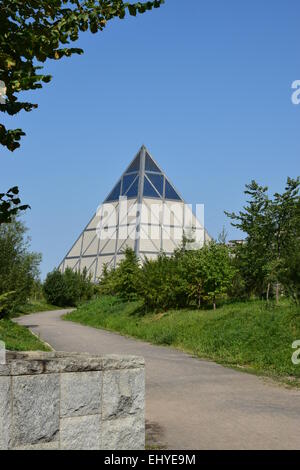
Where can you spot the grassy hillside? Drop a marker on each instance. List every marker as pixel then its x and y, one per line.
pixel 19 338
pixel 33 306
pixel 250 334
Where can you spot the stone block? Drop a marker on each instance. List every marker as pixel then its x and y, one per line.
pixel 5 412
pixel 80 393
pixel 80 433
pixel 123 433
pixel 122 392
pixel 54 445
pixel 116 361
pixel 35 409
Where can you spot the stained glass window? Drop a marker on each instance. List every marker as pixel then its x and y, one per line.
pixel 127 181
pixel 135 165
pixel 149 191
pixel 157 181
pixel 133 190
pixel 150 165
pixel 115 193
pixel 170 192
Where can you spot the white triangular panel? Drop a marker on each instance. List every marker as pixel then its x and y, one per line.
pixel 169 245
pixel 152 211
pixel 173 213
pixel 128 242
pixel 88 237
pixel 147 243
pixel 76 249
pixel 92 249
pixel 108 247
pixel 94 222
pixel 71 263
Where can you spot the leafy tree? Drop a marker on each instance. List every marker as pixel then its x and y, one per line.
pixel 124 280
pixel 10 205
pixel 5 303
pixel 272 229
pixel 253 256
pixel 192 274
pixel 158 287
pixel 218 272
pixel 86 286
pixel 285 226
pixel 55 288
pixel 67 289
pixel 106 281
pixel 18 266
pixel 290 274
pixel 187 278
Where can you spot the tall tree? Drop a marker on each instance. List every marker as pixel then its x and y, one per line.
pixel 285 227
pixel 19 267
pixel 272 232
pixel 253 257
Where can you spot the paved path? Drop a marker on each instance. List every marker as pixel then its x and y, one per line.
pixel 190 404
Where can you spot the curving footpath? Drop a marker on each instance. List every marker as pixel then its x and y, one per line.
pixel 190 403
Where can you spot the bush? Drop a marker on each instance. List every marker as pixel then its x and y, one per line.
pixel 185 279
pixel 161 285
pixel 18 267
pixel 67 289
pixel 6 302
pixel 124 280
pixel 188 278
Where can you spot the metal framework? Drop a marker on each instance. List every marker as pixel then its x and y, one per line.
pixel 143 211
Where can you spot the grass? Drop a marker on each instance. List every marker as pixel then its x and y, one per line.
pixel 19 338
pixel 33 306
pixel 249 335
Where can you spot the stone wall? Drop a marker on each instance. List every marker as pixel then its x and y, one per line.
pixel 72 401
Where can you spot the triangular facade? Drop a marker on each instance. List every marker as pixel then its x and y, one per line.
pixel 143 211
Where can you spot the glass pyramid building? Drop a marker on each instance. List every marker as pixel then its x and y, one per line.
pixel 144 212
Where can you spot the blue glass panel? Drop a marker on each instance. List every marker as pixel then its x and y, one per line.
pixel 135 165
pixel 150 165
pixel 133 190
pixel 157 181
pixel 127 180
pixel 170 192
pixel 149 191
pixel 114 195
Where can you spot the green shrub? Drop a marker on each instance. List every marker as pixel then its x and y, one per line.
pixel 162 285
pixel 6 301
pixel 18 267
pixel 187 278
pixel 124 280
pixel 67 289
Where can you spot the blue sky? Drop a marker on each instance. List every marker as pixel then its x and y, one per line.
pixel 204 84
